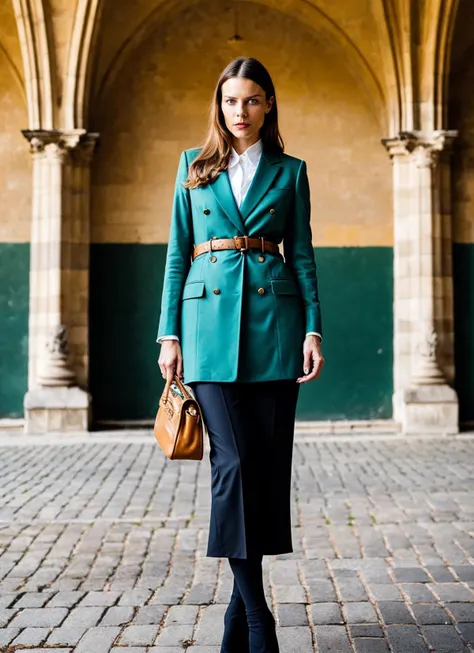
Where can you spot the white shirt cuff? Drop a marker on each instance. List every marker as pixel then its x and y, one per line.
pixel 160 340
pixel 314 333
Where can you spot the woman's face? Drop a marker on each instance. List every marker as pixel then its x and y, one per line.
pixel 244 106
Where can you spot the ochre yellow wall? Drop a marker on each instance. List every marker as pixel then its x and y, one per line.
pixel 15 160
pixel 157 105
pixel 9 38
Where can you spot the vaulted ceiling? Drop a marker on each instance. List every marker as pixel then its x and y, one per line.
pixel 64 52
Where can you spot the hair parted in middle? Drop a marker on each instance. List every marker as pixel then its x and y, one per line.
pixel 214 156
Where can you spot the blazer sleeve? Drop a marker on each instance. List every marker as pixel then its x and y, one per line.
pixel 178 258
pixel 299 254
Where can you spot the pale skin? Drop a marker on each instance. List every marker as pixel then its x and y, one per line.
pixel 244 101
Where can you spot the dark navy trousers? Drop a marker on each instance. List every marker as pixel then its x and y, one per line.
pixel 251 429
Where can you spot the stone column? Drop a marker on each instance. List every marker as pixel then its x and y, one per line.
pixel 57 397
pixel 424 401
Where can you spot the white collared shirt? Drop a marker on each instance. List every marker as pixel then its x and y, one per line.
pixel 241 170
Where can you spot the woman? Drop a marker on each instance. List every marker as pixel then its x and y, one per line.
pixel 248 322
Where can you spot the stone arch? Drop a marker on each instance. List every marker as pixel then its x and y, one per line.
pixel 80 63
pixel 442 63
pixel 389 39
pixel 36 54
pixel 309 14
pixel 417 77
pixel 436 31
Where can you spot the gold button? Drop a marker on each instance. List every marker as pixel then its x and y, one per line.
pixel 217 291
pixel 261 291
pixel 213 259
pixel 272 211
pixel 261 258
pixel 206 211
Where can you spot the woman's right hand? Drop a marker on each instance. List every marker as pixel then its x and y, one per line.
pixel 171 359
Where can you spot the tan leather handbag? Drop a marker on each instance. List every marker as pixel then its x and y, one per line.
pixel 179 427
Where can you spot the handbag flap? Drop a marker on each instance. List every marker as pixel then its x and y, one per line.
pixel 178 425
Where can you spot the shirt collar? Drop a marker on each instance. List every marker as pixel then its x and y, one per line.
pixel 253 152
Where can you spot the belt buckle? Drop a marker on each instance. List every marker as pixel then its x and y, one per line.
pixel 246 243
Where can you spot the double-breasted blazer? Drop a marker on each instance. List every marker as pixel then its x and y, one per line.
pixel 242 316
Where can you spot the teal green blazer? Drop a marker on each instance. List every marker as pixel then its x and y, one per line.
pixel 240 334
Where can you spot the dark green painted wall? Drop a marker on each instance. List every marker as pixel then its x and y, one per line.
pixel 356 291
pixel 14 302
pixel 463 272
pixel 356 288
pixel 125 295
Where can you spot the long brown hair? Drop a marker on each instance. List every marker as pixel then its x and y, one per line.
pixel 215 153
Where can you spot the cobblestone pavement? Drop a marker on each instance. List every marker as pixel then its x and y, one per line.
pixel 102 548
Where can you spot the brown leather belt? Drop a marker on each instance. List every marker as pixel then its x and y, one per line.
pixel 241 243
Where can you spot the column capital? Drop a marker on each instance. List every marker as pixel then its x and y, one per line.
pixel 62 143
pixel 424 148
pixel 83 152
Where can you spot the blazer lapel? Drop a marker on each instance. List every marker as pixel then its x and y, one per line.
pixel 264 177
pixel 223 192
pixel 265 174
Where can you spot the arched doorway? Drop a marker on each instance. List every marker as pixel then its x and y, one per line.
pixel 461 117
pixel 154 107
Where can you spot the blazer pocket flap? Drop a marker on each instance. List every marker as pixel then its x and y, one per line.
pixel 193 289
pixel 284 287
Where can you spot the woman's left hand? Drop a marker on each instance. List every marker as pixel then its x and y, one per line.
pixel 313 359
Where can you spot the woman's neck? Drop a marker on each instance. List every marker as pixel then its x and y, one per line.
pixel 241 144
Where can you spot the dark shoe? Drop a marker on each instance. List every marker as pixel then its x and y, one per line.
pixel 262 632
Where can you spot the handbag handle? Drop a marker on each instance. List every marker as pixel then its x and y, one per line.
pixel 174 379
pixel 167 388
